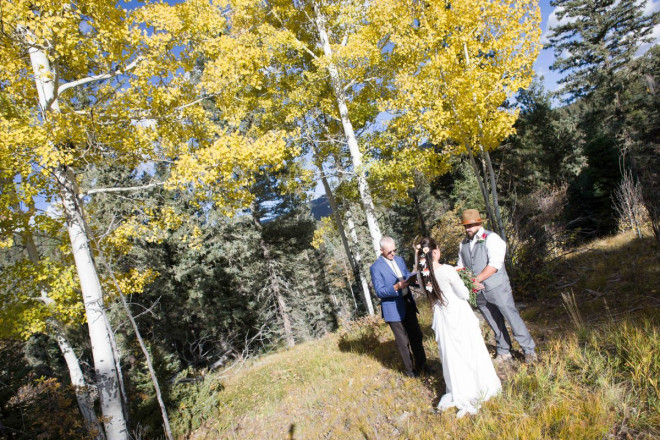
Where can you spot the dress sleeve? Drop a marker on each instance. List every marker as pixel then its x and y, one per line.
pixel 457 284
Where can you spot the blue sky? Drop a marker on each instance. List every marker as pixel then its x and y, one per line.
pixel 546 57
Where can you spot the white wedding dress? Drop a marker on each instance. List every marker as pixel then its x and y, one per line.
pixel 466 364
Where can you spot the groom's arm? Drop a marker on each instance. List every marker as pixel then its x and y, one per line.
pixel 488 272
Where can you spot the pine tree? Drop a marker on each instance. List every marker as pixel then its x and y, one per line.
pixel 596 39
pixel 642 109
pixel 595 44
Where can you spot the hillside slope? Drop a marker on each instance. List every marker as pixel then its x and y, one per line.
pixel 596 379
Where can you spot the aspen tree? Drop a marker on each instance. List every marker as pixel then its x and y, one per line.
pixel 85 82
pixel 459 62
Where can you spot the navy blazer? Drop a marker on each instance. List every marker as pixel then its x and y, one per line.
pixel 383 279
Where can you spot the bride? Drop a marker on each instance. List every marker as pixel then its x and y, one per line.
pixel 466 365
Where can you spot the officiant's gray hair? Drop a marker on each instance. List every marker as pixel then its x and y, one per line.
pixel 386 240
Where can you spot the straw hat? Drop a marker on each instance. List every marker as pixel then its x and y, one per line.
pixel 471 217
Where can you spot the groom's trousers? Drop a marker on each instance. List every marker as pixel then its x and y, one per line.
pixel 408 336
pixel 497 305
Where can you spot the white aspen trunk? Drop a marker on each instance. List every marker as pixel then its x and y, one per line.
pixel 43 78
pixel 356 254
pixel 76 375
pixel 104 360
pixel 337 218
pixel 358 261
pixel 353 256
pixel 106 374
pixel 637 227
pixel 79 384
pixel 143 346
pixel 351 139
pixel 634 202
pixel 629 189
pixel 357 269
pixel 150 366
pixel 286 321
pixel 631 220
pixel 493 191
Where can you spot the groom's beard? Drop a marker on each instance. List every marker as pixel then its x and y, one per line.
pixel 470 235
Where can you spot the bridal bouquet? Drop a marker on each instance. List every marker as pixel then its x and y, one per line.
pixel 468 279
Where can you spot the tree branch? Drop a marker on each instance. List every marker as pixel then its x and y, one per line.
pixel 124 189
pixel 197 101
pixel 61 89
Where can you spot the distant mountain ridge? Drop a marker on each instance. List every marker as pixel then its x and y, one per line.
pixel 320 207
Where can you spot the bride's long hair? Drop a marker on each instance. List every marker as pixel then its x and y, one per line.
pixel 425 268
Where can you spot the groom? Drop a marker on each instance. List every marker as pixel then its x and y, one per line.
pixel 388 275
pixel 483 251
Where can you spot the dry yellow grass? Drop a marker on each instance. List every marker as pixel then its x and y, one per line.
pixel 600 381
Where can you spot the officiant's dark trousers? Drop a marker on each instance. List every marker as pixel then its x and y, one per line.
pixel 408 336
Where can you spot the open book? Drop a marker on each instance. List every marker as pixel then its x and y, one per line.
pixel 412 278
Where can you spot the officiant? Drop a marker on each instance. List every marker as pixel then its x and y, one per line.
pixel 388 276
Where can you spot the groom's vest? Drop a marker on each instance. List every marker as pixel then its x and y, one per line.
pixel 477 260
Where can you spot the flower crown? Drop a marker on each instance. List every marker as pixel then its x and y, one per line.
pixel 423 267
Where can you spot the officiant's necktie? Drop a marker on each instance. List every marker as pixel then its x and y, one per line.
pixel 397 272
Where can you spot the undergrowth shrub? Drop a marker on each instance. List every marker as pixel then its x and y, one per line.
pixel 197 400
pixel 47 410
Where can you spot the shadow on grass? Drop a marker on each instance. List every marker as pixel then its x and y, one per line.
pixel 365 341
pixel 373 340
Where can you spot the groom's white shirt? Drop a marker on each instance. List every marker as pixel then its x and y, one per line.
pixel 495 246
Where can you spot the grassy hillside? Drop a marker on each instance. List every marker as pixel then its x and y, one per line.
pixel 597 378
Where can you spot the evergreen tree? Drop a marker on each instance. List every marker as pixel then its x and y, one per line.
pixel 595 45
pixel 642 108
pixel 546 150
pixel 595 39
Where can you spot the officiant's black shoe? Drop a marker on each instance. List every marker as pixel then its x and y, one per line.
pixel 426 370
pixel 411 373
